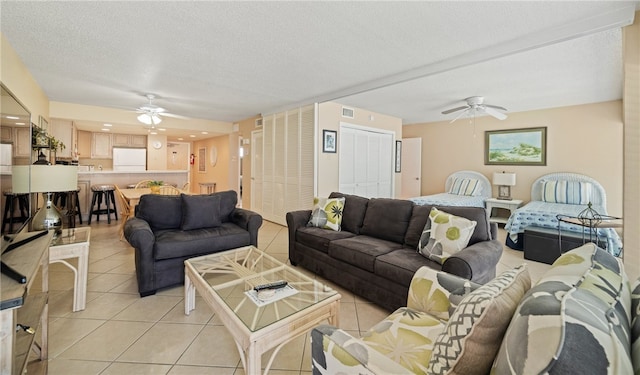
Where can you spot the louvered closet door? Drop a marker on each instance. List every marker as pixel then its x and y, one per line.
pixel 256 171
pixel 288 183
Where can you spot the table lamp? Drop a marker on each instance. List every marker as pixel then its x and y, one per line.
pixel 505 181
pixel 45 179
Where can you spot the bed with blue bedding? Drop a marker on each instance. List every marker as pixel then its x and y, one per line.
pixel 462 188
pixel 566 194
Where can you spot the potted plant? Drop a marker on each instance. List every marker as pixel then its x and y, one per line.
pixel 155 186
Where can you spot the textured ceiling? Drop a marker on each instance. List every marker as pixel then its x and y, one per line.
pixel 228 61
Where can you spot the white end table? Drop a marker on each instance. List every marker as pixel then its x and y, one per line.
pixel 510 205
pixel 73 243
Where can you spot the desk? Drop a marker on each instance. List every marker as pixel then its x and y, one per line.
pixel 210 187
pixel 133 195
pixel 73 243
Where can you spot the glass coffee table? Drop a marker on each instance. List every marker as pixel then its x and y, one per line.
pixel 258 321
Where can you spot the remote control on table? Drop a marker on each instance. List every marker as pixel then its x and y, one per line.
pixel 273 285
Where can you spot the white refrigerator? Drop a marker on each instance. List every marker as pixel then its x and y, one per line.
pixel 5 157
pixel 129 159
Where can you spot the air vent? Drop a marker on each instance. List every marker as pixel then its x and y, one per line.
pixel 347 112
pixel 258 122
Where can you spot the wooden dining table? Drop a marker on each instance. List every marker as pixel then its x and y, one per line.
pixel 133 195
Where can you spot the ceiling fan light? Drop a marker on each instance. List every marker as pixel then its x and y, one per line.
pixel 148 119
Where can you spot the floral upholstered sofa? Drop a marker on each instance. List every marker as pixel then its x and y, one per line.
pixel 582 317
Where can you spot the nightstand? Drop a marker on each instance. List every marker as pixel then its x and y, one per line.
pixel 492 203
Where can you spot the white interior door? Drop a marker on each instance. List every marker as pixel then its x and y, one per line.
pixel 256 171
pixel 411 167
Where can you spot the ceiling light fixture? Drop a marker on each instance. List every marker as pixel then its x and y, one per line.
pixel 149 119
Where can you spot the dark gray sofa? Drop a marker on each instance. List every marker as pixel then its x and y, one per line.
pixel 168 229
pixel 375 254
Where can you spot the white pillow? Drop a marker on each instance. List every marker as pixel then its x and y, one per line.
pixel 569 192
pixel 465 186
pixel 444 235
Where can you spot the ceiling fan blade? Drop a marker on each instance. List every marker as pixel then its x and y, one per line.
pixel 455 109
pixel 167 114
pixel 458 116
pixel 494 113
pixel 495 106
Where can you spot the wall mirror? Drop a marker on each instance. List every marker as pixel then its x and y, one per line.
pixel 15 144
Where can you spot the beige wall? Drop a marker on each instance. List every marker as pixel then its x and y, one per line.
pixel 329 118
pixel 218 173
pixel 584 139
pixel 15 76
pixel 156 158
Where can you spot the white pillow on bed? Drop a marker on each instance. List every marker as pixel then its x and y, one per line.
pixel 465 186
pixel 569 192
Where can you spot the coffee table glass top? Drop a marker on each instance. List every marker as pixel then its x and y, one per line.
pixel 71 236
pixel 233 274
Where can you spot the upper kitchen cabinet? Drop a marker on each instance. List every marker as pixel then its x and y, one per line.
pixel 22 143
pixel 129 140
pixel 62 130
pixel 84 144
pixel 6 134
pixel 101 146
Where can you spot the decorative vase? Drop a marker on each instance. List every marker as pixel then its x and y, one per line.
pixel 155 189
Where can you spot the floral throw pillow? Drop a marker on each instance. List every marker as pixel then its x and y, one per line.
pixel 327 213
pixel 444 235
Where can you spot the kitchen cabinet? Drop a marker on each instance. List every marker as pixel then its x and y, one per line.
pixel 62 130
pixel 84 144
pixel 6 134
pixel 101 146
pixel 129 140
pixel 22 143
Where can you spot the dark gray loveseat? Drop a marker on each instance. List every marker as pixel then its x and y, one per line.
pixel 375 254
pixel 168 229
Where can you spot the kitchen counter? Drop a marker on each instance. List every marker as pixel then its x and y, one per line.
pixel 97 171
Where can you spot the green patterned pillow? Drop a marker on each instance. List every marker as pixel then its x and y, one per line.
pixel 444 235
pixel 327 213
pixel 470 340
pixel 635 326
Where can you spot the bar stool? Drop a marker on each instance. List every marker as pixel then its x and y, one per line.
pixel 105 191
pixel 10 200
pixel 73 207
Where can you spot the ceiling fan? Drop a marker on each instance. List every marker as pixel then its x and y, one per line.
pixel 475 104
pixel 150 113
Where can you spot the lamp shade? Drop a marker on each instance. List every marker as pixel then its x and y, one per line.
pixel 504 179
pixel 43 178
pixel 148 119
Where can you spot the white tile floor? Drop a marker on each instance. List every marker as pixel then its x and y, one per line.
pixel 121 333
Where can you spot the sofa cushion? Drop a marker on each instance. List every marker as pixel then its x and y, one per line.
pixel 228 203
pixel 574 321
pixel 355 208
pixel 472 336
pixel 406 336
pixel 387 219
pixel 361 251
pixel 200 211
pixel 400 265
pixel 318 238
pixel 444 235
pixel 327 213
pixel 160 211
pixel 173 243
pixel 635 326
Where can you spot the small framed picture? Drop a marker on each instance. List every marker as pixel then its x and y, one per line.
pixel 329 140
pixel 398 156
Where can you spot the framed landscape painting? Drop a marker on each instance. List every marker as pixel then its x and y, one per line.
pixel 516 147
